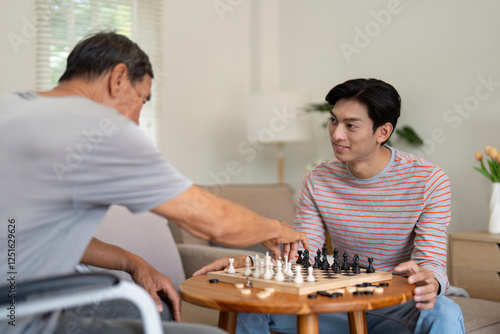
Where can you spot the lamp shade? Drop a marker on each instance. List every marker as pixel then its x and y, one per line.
pixel 277 117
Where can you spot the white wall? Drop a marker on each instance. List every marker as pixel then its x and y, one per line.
pixel 16 45
pixel 432 52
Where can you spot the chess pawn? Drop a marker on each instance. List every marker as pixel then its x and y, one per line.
pixel 257 260
pixel 256 272
pixel 325 265
pixel 298 275
pixel 345 266
pixel 276 264
pixel 310 276
pixel 279 274
pixel 299 259
pixel 230 269
pixel 268 271
pixel 248 270
pixel 370 269
pixel 289 271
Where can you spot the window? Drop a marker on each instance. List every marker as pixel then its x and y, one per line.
pixel 60 24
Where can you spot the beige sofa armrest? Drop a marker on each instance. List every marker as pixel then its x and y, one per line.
pixel 195 257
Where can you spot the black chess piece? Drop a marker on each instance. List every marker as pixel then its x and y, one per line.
pixel 318 258
pixel 370 268
pixel 316 262
pixel 336 262
pixel 299 259
pixel 336 267
pixel 355 266
pixel 324 262
pixel 305 259
pixel 345 266
pixel 325 265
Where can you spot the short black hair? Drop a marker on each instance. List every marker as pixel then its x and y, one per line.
pixel 381 99
pixel 101 52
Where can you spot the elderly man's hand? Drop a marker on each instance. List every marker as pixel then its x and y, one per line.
pixel 290 239
pixel 155 284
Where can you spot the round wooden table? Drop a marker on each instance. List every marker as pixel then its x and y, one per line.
pixel 229 301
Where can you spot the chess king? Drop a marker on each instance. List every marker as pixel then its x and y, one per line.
pixel 378 202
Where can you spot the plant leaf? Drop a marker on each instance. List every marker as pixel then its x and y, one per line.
pixel 319 107
pixel 485 173
pixel 410 135
pixel 495 170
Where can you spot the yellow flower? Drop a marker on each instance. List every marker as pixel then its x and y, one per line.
pixel 490 168
pixel 493 152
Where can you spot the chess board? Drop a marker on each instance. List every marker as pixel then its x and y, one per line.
pixel 324 280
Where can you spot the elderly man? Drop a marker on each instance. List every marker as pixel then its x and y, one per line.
pixel 71 152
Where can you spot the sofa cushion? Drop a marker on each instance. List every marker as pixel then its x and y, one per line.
pixel 268 200
pixel 480 316
pixel 145 234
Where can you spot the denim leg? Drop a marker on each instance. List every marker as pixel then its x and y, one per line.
pixel 252 323
pixel 397 319
pixel 444 317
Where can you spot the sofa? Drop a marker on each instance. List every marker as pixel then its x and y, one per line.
pixel 177 254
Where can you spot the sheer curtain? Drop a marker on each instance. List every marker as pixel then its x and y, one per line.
pixel 60 24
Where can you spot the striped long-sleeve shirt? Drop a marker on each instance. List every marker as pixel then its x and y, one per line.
pixel 401 214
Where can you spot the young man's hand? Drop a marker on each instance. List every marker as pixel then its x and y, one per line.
pixel 221 264
pixel 425 293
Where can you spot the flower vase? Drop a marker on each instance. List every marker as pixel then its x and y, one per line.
pixel 494 225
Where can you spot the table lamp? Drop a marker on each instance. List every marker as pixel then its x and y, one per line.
pixel 277 118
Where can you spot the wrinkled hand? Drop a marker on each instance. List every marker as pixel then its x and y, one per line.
pixel 290 238
pixel 425 293
pixel 221 264
pixel 156 284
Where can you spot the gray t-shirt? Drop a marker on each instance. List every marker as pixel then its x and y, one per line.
pixel 63 162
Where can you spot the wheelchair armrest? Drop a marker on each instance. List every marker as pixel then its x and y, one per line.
pixel 57 285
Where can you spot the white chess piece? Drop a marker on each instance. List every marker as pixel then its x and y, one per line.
pixel 276 264
pixel 310 276
pixel 248 271
pixel 298 275
pixel 279 274
pixel 289 271
pixel 230 269
pixel 256 272
pixel 268 271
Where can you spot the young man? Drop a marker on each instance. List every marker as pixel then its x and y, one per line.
pixel 377 202
pixel 71 152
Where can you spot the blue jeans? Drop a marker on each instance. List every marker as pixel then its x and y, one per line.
pixel 445 317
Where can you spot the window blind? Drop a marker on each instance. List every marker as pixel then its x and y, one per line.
pixel 60 24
